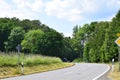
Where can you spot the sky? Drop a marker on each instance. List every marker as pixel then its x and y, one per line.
pixel 61 15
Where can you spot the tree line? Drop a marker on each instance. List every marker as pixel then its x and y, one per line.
pixel 97 40
pixel 34 38
pixel 94 42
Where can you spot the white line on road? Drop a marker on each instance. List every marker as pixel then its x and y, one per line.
pixel 102 73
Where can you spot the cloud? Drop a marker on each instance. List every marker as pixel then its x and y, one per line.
pixel 62 13
pixel 78 10
pixel 115 3
pixel 20 8
pixel 4 8
pixel 71 10
pixel 34 5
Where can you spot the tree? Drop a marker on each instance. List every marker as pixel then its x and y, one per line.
pixel 114 29
pixel 6 25
pixel 53 43
pixel 75 30
pixel 86 57
pixel 68 49
pixel 49 43
pixel 15 38
pixel 33 41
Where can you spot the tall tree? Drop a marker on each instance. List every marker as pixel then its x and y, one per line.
pixel 45 43
pixel 33 41
pixel 75 30
pixel 6 25
pixel 15 38
pixel 53 43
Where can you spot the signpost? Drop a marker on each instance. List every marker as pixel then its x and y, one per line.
pixel 18 47
pixel 118 43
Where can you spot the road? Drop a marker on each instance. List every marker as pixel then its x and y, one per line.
pixel 81 71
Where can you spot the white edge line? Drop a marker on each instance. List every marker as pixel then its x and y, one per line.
pixel 102 73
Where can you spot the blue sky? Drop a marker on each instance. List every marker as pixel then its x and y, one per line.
pixel 61 15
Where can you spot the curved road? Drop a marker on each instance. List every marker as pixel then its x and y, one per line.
pixel 82 71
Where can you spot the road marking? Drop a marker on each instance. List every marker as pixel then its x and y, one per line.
pixel 102 73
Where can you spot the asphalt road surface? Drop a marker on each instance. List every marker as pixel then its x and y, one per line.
pixel 81 71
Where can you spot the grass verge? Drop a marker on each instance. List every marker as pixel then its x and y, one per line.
pixel 115 75
pixel 12 59
pixel 16 71
pixel 32 64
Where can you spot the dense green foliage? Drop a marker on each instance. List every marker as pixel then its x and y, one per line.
pixel 9 34
pixel 16 36
pixel 98 40
pixel 92 42
pixel 33 41
pixel 35 38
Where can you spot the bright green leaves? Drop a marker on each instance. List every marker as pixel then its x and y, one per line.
pixel 32 41
pixel 15 38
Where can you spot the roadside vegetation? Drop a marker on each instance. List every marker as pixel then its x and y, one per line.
pixel 32 63
pixel 115 75
pixel 93 42
pixel 28 60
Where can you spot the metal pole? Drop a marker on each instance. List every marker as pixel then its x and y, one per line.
pixel 119 57
pixel 18 49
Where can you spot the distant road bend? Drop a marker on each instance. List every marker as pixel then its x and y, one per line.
pixel 81 71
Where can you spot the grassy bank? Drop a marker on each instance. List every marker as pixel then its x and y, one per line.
pixel 115 75
pixel 28 60
pixel 16 71
pixel 32 64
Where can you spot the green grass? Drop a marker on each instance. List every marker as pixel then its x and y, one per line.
pixel 31 60
pixel 115 75
pixel 32 64
pixel 28 60
pixel 8 60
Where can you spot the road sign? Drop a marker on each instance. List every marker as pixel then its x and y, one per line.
pixel 118 41
pixel 118 34
pixel 18 47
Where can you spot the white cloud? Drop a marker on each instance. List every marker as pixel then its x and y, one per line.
pixel 4 8
pixel 20 8
pixel 115 3
pixel 68 12
pixel 71 10
pixel 34 5
pixel 61 9
pixel 77 10
pixel 89 6
pixel 37 5
pixel 4 5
